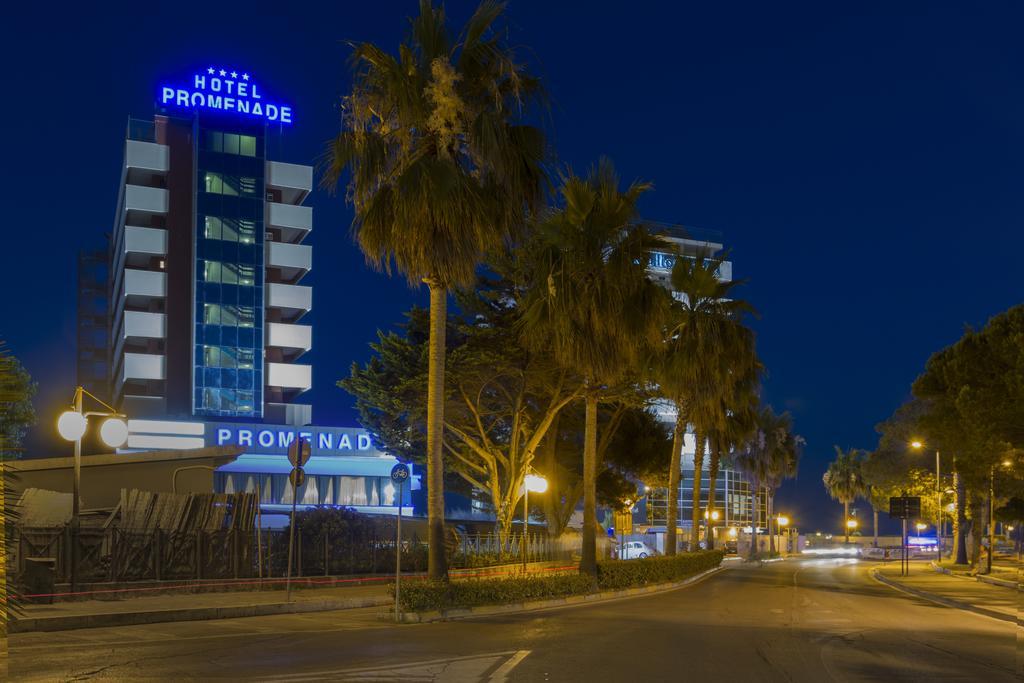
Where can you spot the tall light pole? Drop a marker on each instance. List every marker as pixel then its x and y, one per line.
pixel 918 445
pixel 992 514
pixel 71 425
pixel 537 484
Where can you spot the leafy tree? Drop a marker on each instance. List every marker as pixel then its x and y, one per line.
pixel 706 360
pixel 591 305
pixel 784 458
pixel 442 169
pixel 844 481
pixel 502 398
pixel 16 412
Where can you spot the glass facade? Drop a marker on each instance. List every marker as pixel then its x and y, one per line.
pixel 229 268
pixel 275 489
pixel 732 499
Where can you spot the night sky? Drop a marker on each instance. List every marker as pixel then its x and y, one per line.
pixel 864 165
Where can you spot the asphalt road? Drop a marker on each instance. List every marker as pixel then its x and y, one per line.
pixel 807 620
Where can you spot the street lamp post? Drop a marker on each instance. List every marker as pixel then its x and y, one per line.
pixel 783 522
pixel 918 445
pixel 71 425
pixel 537 484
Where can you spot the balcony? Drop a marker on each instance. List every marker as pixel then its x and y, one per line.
pixel 151 241
pixel 146 156
pixel 146 200
pixel 292 180
pixel 298 414
pixel 292 260
pixel 284 336
pixel 145 325
pixel 294 222
pixel 143 366
pixel 294 301
pixel 290 377
pixel 145 283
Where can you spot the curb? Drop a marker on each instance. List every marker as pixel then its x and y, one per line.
pixel 983 578
pixel 80 621
pixel 535 605
pixel 946 602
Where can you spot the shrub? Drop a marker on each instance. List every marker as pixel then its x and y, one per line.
pixel 620 574
pixel 422 596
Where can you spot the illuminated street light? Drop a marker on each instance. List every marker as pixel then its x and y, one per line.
pixel 917 445
pixel 538 484
pixel 783 520
pixel 851 524
pixel 72 425
pixel 732 531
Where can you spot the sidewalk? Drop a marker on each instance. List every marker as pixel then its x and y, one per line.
pixel 953 591
pixel 194 607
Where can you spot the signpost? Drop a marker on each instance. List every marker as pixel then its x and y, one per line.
pixel 399 475
pixel 904 508
pixel 298 455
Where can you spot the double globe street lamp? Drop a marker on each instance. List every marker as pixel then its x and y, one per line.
pixel 72 425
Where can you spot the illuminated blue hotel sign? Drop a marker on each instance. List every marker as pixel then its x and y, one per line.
pixel 275 439
pixel 226 91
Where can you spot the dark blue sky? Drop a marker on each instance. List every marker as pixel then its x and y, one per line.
pixel 864 163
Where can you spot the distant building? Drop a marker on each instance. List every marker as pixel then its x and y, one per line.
pixel 204 323
pixel 732 487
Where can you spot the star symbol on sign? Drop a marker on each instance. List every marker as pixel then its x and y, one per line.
pixel 234 74
pixel 245 77
pixel 210 70
pixel 223 72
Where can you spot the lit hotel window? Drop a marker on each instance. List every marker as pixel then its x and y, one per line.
pixel 229 229
pixel 232 316
pixel 228 273
pixel 235 186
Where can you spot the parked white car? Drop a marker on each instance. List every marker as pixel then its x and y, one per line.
pixel 635 550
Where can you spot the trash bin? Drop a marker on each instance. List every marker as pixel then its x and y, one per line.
pixel 39 578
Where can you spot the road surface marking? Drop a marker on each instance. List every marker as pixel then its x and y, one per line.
pixel 505 669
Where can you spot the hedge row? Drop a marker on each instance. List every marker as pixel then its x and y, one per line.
pixel 620 574
pixel 424 596
pixel 611 575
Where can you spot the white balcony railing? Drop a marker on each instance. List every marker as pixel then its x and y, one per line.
pixel 293 258
pixel 289 297
pixel 285 336
pixel 144 366
pixel 292 180
pixel 147 156
pixel 289 376
pixel 145 240
pixel 145 199
pixel 144 324
pixel 293 221
pixel 145 282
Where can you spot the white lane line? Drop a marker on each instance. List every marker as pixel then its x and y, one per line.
pixel 501 675
pixel 403 671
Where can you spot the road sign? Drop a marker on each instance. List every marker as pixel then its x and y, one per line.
pixel 298 452
pixel 624 522
pixel 400 473
pixel 905 507
pixel 297 477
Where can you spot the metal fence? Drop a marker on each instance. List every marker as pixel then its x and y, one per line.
pixel 118 555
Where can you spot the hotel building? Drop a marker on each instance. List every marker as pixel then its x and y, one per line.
pixel 732 489
pixel 205 309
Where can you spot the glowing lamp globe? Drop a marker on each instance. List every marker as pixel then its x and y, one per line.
pixel 114 432
pixel 71 425
pixel 534 483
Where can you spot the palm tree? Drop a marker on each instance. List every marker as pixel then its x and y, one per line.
pixel 702 366
pixel 441 170
pixel 591 304
pixel 760 459
pixel 783 461
pixel 844 481
pixel 739 427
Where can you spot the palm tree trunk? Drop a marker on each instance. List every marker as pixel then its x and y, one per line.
pixel 716 457
pixel 771 515
pixel 754 489
pixel 977 528
pixel 672 507
pixel 875 511
pixel 698 465
pixel 959 521
pixel 846 518
pixel 436 564
pixel 588 559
